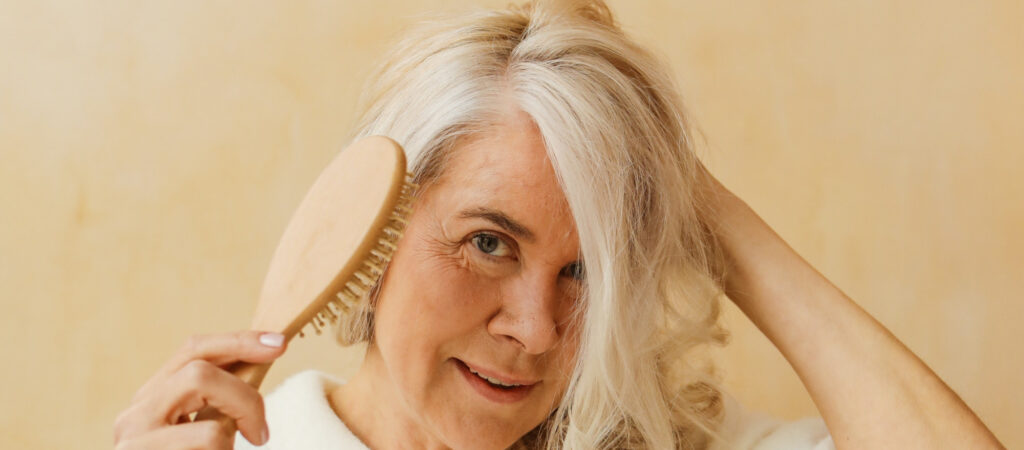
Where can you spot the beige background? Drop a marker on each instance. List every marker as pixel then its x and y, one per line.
pixel 152 152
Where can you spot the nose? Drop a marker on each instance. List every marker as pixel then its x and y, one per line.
pixel 528 315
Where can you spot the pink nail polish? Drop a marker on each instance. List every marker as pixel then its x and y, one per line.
pixel 272 339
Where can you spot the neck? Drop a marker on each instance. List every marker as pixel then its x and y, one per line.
pixel 371 407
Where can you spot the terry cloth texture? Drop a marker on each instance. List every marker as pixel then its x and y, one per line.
pixel 300 418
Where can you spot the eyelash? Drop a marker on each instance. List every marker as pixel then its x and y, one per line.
pixel 502 240
pixel 574 271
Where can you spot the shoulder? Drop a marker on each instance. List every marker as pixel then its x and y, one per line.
pixel 751 430
pixel 300 416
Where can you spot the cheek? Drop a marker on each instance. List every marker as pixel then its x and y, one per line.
pixel 429 309
pixel 437 286
pixel 563 360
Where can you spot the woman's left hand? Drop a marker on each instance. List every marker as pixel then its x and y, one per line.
pixel 871 390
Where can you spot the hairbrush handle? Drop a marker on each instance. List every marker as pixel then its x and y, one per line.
pixel 251 373
pixel 334 250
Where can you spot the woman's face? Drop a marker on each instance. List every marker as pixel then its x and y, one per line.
pixel 480 292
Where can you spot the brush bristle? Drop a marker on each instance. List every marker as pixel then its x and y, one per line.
pixel 363 280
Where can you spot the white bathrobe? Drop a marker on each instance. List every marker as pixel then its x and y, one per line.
pixel 300 418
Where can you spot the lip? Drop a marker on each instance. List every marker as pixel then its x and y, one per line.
pixel 494 393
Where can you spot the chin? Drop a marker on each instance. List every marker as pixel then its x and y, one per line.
pixel 479 433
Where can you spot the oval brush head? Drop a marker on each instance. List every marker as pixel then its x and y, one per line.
pixel 337 243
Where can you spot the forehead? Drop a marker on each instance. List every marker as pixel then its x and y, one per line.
pixel 507 168
pixel 512 149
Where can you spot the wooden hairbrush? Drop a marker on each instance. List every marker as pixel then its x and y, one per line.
pixel 335 247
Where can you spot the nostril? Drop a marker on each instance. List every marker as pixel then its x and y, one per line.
pixel 528 312
pixel 533 335
pixel 538 335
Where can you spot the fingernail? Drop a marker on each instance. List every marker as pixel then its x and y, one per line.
pixel 264 436
pixel 272 339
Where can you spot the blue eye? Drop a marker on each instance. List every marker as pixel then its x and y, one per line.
pixel 491 245
pixel 575 271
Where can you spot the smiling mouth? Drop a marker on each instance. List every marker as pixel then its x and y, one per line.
pixel 494 389
pixel 493 381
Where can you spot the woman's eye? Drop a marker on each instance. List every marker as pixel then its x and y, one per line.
pixel 575 271
pixel 491 245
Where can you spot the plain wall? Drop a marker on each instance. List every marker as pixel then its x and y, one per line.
pixel 151 154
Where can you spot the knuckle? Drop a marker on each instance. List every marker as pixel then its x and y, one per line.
pixel 193 344
pixel 122 425
pixel 198 372
pixel 138 393
pixel 119 426
pixel 241 340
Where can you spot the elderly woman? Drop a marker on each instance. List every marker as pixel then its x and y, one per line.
pixel 557 278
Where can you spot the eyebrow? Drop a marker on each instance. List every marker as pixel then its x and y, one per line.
pixel 500 219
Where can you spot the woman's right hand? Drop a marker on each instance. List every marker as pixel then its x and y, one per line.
pixel 193 379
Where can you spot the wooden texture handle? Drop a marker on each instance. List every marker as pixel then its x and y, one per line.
pixel 338 231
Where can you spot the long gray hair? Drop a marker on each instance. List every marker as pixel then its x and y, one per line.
pixel 620 145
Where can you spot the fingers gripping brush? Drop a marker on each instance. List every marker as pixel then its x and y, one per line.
pixel 335 247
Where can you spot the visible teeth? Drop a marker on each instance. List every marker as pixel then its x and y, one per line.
pixel 493 380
